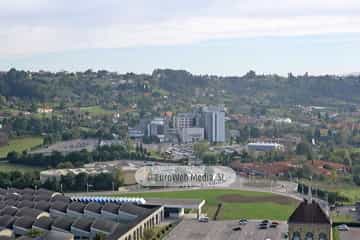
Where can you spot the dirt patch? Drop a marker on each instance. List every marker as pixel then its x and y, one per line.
pixel 233 198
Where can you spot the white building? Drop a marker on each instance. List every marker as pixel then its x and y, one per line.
pixel 265 147
pixel 45 110
pixel 283 120
pixel 214 124
pixel 190 135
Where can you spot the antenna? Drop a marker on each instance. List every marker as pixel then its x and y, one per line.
pixel 310 189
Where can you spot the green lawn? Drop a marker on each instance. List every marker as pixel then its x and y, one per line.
pixel 341 218
pixel 20 144
pixel 336 235
pixel 258 206
pixel 8 167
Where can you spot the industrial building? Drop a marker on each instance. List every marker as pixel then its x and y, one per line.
pixel 24 210
pixel 265 147
pixel 91 169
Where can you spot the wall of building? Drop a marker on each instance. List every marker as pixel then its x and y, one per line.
pixel 137 231
pixel 316 229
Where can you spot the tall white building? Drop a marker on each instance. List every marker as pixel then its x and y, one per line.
pixel 214 124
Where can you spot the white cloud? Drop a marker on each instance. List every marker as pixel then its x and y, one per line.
pixel 98 26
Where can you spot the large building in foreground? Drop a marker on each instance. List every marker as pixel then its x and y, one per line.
pixel 61 217
pixel 309 221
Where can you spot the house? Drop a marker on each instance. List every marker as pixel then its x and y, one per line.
pixel 326 168
pixel 309 221
pixel 45 110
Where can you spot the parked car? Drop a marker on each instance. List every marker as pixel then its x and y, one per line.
pixel 343 227
pixel 273 226
pixel 263 226
pixel 203 219
pixel 243 221
pixel 236 229
pixel 265 221
pixel 353 210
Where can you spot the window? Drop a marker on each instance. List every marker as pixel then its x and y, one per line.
pixel 322 236
pixel 309 236
pixel 296 236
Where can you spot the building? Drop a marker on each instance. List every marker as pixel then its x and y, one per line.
pixel 185 120
pixel 265 146
pixel 280 168
pixel 309 221
pixel 213 120
pixel 91 169
pixel 326 168
pixel 68 218
pixel 45 110
pixel 283 120
pixel 190 135
pixel 156 128
pixel 135 133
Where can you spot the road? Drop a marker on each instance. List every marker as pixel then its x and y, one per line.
pixel 194 230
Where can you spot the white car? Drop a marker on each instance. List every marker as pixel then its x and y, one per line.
pixel 203 219
pixel 343 227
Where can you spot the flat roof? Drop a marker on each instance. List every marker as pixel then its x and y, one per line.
pixel 170 202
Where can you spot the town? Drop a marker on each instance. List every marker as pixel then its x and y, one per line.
pixel 59 155
pixel 179 120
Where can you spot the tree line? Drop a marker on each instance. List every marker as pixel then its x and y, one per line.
pixel 78 158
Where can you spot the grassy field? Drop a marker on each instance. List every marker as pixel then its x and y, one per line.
pixel 236 204
pixel 20 144
pixel 341 218
pixel 96 111
pixel 8 167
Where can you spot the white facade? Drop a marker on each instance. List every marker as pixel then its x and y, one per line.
pixel 265 147
pixel 214 122
pixel 189 135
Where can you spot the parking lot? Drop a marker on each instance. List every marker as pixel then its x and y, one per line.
pixel 352 234
pixel 194 230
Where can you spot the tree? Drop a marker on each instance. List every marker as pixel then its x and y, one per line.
pixel 303 148
pixel 200 147
pixel 209 158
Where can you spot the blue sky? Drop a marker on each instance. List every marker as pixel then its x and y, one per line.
pixel 226 37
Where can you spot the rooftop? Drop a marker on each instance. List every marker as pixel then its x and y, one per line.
pixel 309 212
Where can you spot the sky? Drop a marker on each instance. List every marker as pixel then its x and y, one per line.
pixel 224 37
